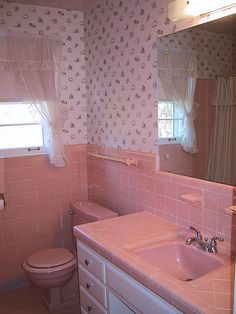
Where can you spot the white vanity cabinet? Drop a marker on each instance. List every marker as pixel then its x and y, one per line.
pixel 92 284
pixel 104 288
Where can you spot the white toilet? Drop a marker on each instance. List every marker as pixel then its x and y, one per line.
pixel 54 268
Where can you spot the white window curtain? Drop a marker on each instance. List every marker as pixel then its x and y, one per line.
pixel 222 155
pixel 177 73
pixel 35 65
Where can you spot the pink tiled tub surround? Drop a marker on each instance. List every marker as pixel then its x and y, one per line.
pixel 137 188
pixel 116 240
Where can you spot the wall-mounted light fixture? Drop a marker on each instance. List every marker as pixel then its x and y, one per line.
pixel 181 9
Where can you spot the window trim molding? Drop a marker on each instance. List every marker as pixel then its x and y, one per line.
pixel 22 152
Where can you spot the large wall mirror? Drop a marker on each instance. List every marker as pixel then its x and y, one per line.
pixel 197 101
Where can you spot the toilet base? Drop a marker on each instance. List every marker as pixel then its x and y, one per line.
pixel 54 301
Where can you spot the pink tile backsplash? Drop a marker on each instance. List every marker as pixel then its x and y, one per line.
pixel 37 201
pixel 210 200
pixel 143 188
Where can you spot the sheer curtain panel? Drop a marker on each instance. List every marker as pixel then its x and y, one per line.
pixel 177 73
pixel 34 63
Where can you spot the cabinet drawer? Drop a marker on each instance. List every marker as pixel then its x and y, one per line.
pixel 91 261
pixel 92 285
pixel 134 293
pixel 89 304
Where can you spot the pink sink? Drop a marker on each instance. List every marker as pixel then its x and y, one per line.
pixel 184 262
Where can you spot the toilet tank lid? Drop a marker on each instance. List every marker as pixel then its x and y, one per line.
pixel 50 258
pixel 92 210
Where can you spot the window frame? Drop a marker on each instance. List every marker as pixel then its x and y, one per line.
pixel 22 151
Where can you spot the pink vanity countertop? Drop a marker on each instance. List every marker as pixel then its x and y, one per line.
pixel 115 240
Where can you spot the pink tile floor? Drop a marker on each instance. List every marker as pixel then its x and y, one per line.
pixel 27 300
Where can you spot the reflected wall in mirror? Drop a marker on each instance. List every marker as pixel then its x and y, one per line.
pixel 197 76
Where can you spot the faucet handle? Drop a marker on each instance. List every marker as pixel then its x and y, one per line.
pixel 212 244
pixel 198 233
pixel 214 239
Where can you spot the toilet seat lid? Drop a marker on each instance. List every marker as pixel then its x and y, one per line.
pixel 50 258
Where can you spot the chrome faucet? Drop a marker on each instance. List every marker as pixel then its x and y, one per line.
pixel 208 245
pixel 197 240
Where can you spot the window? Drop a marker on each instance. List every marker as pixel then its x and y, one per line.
pixel 20 134
pixel 170 122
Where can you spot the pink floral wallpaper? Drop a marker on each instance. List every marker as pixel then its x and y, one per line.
pixel 215 51
pixel 118 107
pixel 121 70
pixel 121 74
pixel 68 25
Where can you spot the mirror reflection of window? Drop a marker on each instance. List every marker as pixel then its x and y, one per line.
pixel 177 74
pixel 170 122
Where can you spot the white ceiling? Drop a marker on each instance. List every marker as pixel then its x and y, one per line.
pixel 79 5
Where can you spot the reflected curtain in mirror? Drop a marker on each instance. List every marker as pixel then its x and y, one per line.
pixel 177 73
pixel 222 155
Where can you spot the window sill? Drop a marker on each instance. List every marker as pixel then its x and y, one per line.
pixel 169 143
pixel 21 152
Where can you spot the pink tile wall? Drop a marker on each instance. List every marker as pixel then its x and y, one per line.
pixel 179 161
pixel 130 189
pixel 37 198
pixel 204 125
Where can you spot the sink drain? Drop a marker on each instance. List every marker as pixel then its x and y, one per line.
pixel 188 279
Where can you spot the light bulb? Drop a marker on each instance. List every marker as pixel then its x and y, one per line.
pixel 199 7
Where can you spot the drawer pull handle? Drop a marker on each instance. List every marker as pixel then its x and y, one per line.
pixel 89 308
pixel 89 285
pixel 87 262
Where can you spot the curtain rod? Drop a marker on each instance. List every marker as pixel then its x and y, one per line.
pixel 27 35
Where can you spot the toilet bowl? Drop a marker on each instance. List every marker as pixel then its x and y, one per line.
pixel 50 268
pixel 53 268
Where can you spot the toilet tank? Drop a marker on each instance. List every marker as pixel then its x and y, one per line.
pixel 88 211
